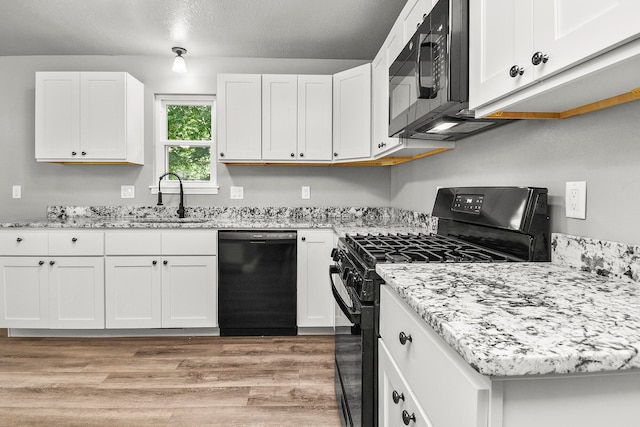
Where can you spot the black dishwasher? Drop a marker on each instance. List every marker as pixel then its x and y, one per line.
pixel 257 283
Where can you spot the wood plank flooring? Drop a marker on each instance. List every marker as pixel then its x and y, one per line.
pixel 173 381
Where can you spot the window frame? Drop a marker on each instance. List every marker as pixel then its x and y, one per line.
pixel 160 142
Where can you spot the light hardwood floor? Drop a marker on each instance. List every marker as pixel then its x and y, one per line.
pixel 181 381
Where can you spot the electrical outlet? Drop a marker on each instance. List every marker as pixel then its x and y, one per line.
pixel 237 192
pixel 127 191
pixel 306 192
pixel 576 200
pixel 17 192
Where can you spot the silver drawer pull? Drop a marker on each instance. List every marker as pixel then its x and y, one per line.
pixel 407 418
pixel 404 338
pixel 397 397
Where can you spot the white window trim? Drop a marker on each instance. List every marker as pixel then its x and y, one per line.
pixel 160 138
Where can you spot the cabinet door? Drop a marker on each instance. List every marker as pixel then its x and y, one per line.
pixel 103 116
pixel 279 116
pixel 24 292
pixel 396 402
pixel 412 16
pixel 239 117
pixel 132 292
pixel 352 113
pixel 315 300
pixel 76 292
pixel 189 295
pixel 380 140
pixel 315 103
pixel 565 30
pixel 500 37
pixel 57 115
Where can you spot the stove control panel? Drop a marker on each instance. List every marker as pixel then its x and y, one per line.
pixel 468 203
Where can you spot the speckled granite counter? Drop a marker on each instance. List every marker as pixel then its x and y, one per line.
pixel 342 226
pixel 525 318
pixel 342 220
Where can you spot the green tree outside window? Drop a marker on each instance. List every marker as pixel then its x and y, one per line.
pixel 189 123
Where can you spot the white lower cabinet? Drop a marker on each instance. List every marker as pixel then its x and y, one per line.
pixel 397 404
pixel 132 291
pixel 51 279
pixel 24 292
pixel 76 293
pixel 315 300
pixel 161 279
pixel 436 385
pixel 451 393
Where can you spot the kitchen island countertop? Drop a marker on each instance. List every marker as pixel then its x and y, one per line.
pixel 512 319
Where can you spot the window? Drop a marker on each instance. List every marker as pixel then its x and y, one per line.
pixel 185 143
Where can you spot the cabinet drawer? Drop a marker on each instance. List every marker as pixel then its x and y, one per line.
pixel 76 243
pixel 24 242
pixel 133 243
pixel 192 242
pixel 450 391
pixel 393 387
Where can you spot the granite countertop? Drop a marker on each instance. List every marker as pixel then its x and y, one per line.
pixel 525 318
pixel 341 225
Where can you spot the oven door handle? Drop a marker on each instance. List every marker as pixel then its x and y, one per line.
pixel 352 315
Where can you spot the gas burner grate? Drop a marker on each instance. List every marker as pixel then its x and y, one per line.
pixel 399 248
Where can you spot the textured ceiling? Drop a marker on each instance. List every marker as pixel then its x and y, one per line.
pixel 327 29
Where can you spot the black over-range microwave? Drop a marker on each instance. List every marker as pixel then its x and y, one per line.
pixel 429 80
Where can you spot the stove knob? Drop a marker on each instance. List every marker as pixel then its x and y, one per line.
pixel 345 273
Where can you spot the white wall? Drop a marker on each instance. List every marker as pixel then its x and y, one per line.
pixel 602 148
pixel 46 184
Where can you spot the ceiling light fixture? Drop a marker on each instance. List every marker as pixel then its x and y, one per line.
pixel 179 66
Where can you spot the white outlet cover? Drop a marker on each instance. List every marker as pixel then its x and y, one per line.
pixel 306 192
pixel 16 191
pixel 127 191
pixel 576 200
pixel 237 193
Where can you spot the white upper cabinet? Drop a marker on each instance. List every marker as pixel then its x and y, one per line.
pixel 279 116
pixel 315 121
pixel 516 43
pixel 296 117
pixel 412 16
pixel 239 117
pixel 93 117
pixel 352 114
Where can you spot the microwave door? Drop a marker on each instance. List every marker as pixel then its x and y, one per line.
pixel 426 75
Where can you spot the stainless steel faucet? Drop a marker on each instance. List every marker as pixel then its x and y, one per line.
pixel 181 206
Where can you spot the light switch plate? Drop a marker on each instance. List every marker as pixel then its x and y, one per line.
pixel 576 200
pixel 237 192
pixel 306 192
pixel 17 191
pixel 127 191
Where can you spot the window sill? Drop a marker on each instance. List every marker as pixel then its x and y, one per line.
pixel 188 187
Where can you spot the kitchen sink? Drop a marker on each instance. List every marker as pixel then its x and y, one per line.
pixel 168 220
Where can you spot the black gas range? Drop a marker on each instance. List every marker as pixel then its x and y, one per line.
pixel 475 224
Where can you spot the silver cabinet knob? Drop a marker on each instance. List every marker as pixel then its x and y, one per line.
pixel 84 153
pixel 301 154
pixel 19 239
pixel 539 58
pixel 51 262
pixel 335 154
pixel 407 418
pixel 221 154
pixel 516 71
pixel 40 262
pixel 165 262
pixel 404 338
pixel 397 397
pixel 74 239
pixel 293 154
pixel 154 262
pixel 73 153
